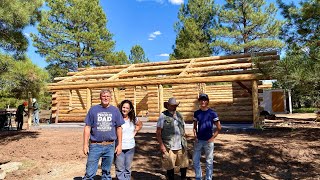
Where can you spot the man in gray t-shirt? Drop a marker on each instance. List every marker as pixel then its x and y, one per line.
pixel 172 141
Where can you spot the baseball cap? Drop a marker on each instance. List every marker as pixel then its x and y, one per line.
pixel 203 97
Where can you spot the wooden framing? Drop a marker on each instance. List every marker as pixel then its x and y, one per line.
pixel 255 103
pixel 228 80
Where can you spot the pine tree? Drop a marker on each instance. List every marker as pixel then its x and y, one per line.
pixel 299 71
pixel 120 58
pixel 247 26
pixel 137 55
pixel 302 28
pixel 73 34
pixel 196 18
pixel 17 78
pixel 14 16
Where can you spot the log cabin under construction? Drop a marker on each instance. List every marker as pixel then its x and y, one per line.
pixel 232 83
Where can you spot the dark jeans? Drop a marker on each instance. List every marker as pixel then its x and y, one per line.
pixel 123 164
pixel 19 120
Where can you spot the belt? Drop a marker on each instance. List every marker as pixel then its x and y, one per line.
pixel 102 142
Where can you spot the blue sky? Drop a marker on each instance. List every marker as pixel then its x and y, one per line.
pixel 148 23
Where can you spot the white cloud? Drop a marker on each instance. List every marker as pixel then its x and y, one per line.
pixel 153 35
pixel 164 55
pixel 176 2
pixel 157 33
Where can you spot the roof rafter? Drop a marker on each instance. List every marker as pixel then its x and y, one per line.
pixel 215 68
pixel 185 71
pixel 116 76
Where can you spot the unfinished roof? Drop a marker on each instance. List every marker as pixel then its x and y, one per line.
pixel 184 71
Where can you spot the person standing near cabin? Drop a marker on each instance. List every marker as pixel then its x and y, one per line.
pixel 102 128
pixel 35 107
pixel 171 137
pixel 19 115
pixel 130 128
pixel 203 121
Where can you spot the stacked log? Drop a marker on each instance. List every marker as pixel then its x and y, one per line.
pixel 168 92
pixel 54 107
pixel 234 103
pixel 148 85
pixel 72 105
pixel 153 103
pixel 141 101
pixel 187 96
pixel 215 69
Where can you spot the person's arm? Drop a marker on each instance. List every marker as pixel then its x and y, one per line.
pixel 216 132
pixel 159 138
pixel 138 127
pixel 36 106
pixel 86 136
pixel 118 149
pixel 195 124
pixel 25 111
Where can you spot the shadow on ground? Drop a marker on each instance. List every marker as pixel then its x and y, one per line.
pixel 271 154
pixel 97 177
pixel 135 175
pixel 9 136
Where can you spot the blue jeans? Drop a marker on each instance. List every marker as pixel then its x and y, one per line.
pixel 95 152
pixel 36 118
pixel 208 149
pixel 123 164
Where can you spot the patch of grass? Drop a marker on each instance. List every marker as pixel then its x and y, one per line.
pixel 304 110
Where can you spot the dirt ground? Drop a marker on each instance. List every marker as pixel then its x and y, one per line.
pixel 287 148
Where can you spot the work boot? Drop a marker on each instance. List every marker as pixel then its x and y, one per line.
pixel 183 172
pixel 170 174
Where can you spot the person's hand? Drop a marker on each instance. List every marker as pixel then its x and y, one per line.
pixel 163 148
pixel 135 133
pixel 195 134
pixel 85 150
pixel 118 150
pixel 211 139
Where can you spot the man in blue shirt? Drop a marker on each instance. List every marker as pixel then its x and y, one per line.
pixel 102 127
pixel 203 121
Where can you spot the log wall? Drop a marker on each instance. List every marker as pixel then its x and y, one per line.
pixel 153 103
pixel 187 95
pixel 231 101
